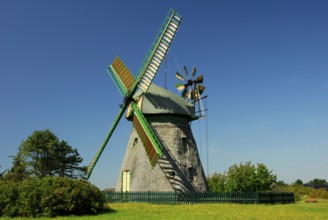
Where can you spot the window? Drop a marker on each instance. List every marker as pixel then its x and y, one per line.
pixel 135 142
pixel 184 141
pixel 184 144
pixel 172 173
pixel 191 173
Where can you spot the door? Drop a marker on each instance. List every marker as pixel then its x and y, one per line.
pixel 126 180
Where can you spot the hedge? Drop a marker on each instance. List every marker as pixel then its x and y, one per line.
pixel 49 196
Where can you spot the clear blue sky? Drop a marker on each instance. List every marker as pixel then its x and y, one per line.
pixel 265 66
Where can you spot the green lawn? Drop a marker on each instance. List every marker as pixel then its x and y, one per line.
pixel 300 210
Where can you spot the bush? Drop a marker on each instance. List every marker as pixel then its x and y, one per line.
pixel 318 193
pixel 8 198
pixel 243 177
pixel 29 196
pixel 216 182
pixel 301 191
pixel 50 196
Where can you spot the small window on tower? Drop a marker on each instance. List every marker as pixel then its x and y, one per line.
pixel 184 140
pixel 135 142
pixel 184 144
pixel 172 173
pixel 191 173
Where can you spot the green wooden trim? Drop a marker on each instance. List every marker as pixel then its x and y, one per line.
pixel 101 149
pixel 151 134
pixel 117 81
pixel 153 48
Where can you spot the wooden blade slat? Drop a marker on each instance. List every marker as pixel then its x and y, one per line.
pixel 185 70
pixel 179 76
pixel 180 86
pixel 158 50
pixel 123 73
pixel 199 79
pixel 147 136
pixel 193 71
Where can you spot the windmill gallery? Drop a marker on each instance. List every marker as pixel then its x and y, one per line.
pixel 161 154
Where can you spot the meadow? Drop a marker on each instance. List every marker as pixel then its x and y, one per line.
pixel 299 210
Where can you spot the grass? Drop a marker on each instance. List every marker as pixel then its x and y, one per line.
pixel 126 211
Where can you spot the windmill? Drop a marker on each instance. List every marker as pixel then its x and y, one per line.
pixel 192 89
pixel 153 161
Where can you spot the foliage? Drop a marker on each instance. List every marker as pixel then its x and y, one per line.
pixel 18 172
pixel 264 177
pixel 242 178
pixel 318 193
pixel 8 198
pixel 280 183
pixel 2 173
pixel 42 154
pixel 299 190
pixel 298 182
pixel 50 196
pixel 318 183
pixel 216 182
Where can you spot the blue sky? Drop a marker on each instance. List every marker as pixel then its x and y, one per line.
pixel 265 66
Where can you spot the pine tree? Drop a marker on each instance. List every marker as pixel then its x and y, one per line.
pixel 42 154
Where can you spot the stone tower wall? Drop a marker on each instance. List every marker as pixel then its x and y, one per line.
pixel 179 170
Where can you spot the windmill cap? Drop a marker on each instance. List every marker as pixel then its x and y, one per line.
pixel 159 101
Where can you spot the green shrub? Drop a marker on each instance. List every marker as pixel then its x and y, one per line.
pixel 68 196
pixel 29 196
pixel 8 199
pixel 318 193
pixel 298 190
pixel 50 196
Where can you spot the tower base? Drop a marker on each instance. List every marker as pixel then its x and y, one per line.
pixel 180 168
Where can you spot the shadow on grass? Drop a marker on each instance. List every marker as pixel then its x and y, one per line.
pixel 107 210
pixel 104 211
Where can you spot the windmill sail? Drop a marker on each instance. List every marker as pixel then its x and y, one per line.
pixel 192 90
pixel 148 138
pixel 121 76
pixel 101 149
pixel 158 50
pixel 127 86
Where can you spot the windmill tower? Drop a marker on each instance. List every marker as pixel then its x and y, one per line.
pixel 161 154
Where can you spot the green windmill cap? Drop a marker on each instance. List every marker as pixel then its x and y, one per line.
pixel 158 101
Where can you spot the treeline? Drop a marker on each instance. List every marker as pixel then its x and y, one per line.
pixel 243 177
pixel 316 188
pixel 247 177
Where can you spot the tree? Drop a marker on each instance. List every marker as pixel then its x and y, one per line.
pixel 2 173
pixel 281 183
pixel 42 154
pixel 298 182
pixel 264 177
pixel 241 178
pixel 318 183
pixel 18 172
pixel 68 160
pixel 247 177
pixel 217 182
